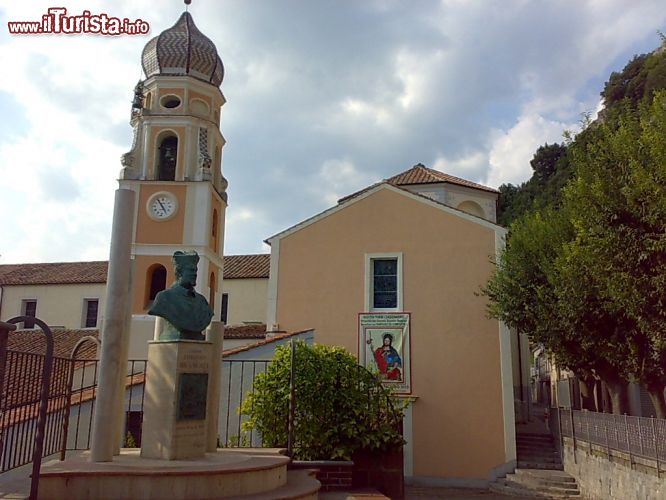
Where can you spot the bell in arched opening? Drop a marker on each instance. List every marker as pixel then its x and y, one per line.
pixel 168 154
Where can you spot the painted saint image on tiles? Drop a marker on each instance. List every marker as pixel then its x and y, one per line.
pixel 384 347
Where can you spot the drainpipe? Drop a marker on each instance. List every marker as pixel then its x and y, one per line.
pixel 2 292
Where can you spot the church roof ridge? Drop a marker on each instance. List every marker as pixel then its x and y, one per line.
pixel 420 174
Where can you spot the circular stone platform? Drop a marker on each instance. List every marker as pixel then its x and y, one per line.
pixel 222 474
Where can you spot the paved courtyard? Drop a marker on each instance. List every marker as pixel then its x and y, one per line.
pixel 426 493
pixel 423 493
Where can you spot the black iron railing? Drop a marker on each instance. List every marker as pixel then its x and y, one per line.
pixel 70 405
pixel 238 381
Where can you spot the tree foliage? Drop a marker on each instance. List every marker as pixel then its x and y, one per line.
pixel 586 276
pixel 617 204
pixel 340 406
pixel 551 171
pixel 634 85
pixel 638 81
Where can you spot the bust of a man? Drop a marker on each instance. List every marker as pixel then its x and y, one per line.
pixel 186 312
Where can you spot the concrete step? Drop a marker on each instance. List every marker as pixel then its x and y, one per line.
pixel 553 475
pixel 536 446
pixel 301 484
pixel 509 487
pixel 544 485
pixel 539 457
pixel 538 453
pixel 534 439
pixel 513 490
pixel 539 465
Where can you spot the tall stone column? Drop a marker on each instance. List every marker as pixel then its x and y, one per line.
pixel 112 363
pixel 214 334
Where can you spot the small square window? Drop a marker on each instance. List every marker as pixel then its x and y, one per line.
pixel 29 308
pixel 384 282
pixel 225 308
pixel 91 307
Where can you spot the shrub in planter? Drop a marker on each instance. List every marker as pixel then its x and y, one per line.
pixel 340 407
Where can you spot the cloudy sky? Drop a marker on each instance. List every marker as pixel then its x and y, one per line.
pixel 323 97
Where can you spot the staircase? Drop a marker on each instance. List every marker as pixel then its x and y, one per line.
pixel 540 473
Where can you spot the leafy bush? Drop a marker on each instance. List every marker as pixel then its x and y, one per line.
pixel 130 442
pixel 340 406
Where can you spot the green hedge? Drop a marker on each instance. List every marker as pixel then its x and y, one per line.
pixel 340 406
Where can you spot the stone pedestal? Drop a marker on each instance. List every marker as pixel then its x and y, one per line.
pixel 176 398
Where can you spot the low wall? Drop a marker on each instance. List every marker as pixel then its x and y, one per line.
pixel 612 475
pixel 333 475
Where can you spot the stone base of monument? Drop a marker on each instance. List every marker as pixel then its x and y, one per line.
pixel 257 474
pixel 177 391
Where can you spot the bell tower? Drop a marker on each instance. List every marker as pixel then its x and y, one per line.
pixel 174 166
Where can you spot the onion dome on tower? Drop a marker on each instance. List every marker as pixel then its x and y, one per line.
pixel 183 50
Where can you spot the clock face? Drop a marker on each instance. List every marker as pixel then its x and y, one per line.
pixel 162 206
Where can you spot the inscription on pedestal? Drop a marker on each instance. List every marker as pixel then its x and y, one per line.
pixel 193 388
pixel 196 360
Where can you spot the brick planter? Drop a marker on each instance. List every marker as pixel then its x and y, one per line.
pixel 383 471
pixel 334 475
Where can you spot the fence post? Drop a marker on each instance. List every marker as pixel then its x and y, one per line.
pixel 640 436
pixel 292 401
pixel 626 428
pixel 573 435
pixel 5 328
pixel 606 434
pixel 656 446
pixel 43 403
pixel 65 424
pixel 559 426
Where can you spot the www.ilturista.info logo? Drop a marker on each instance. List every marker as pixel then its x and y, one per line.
pixel 57 21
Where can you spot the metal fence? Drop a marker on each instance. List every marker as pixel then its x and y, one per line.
pixel 19 408
pixel 72 396
pixel 238 382
pixel 636 436
pixel 83 383
pixel 70 406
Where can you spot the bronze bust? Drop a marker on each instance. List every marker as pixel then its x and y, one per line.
pixel 186 312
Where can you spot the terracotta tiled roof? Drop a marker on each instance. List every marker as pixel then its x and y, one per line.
pixel 268 340
pixel 247 266
pixel 245 332
pixel 64 341
pixel 22 382
pixel 53 273
pixel 420 174
pixel 60 273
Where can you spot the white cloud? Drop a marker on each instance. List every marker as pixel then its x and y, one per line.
pixel 467 167
pixel 338 178
pixel 320 104
pixel 511 150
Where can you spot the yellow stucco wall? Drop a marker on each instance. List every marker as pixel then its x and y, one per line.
pixel 57 305
pixel 458 422
pixel 247 300
pixel 165 232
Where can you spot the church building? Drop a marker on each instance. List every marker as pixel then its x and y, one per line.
pixel 393 273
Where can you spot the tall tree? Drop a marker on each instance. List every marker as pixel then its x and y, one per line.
pixel 530 292
pixel 618 206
